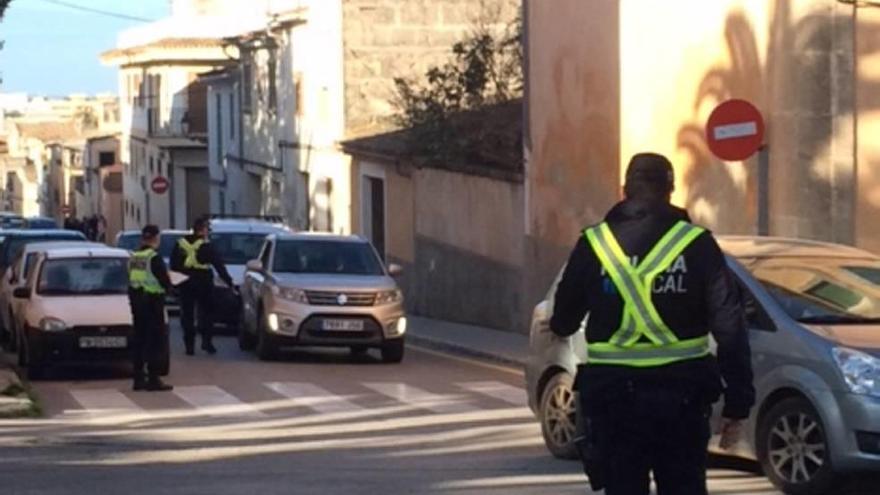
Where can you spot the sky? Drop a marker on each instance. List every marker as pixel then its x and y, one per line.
pixel 52 50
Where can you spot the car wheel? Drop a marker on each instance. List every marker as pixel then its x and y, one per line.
pixel 33 370
pixel 22 355
pixel 559 416
pixel 265 347
pixel 392 351
pixel 793 448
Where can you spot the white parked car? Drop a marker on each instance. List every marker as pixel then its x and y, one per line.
pixel 75 309
pixel 16 276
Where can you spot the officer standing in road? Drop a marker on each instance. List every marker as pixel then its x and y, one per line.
pixel 148 284
pixel 654 286
pixel 194 257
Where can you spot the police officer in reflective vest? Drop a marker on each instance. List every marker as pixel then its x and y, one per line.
pixel 194 257
pixel 654 287
pixel 148 284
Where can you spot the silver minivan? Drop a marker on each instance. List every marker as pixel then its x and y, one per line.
pixel 814 318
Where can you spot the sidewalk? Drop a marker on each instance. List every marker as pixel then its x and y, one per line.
pixel 502 347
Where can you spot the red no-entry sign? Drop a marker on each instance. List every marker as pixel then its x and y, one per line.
pixel 159 185
pixel 735 130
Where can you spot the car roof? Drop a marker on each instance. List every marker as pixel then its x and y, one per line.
pixel 777 247
pixel 47 245
pixel 220 226
pixel 318 236
pixel 86 252
pixel 41 233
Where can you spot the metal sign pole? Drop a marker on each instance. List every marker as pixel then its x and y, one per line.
pixel 764 191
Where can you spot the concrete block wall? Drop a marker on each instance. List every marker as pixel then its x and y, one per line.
pixel 384 39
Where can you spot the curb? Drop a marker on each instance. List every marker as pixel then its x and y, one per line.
pixel 464 350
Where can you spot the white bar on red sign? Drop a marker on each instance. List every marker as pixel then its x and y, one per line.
pixel 733 131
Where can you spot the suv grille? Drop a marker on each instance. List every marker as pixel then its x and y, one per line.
pixel 322 298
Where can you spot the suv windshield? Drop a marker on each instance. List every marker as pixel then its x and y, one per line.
pixel 237 248
pixel 822 290
pixel 327 257
pixel 129 242
pixel 85 276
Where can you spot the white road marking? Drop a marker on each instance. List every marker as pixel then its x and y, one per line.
pixel 214 401
pixel 313 397
pixel 105 401
pixel 414 396
pixel 498 390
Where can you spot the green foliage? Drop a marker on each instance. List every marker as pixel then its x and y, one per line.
pixel 485 69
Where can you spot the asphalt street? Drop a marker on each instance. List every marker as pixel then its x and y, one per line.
pixel 314 422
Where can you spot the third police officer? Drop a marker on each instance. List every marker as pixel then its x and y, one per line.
pixel 148 284
pixel 195 257
pixel 655 287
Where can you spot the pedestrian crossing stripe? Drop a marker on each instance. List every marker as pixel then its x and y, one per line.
pixel 214 401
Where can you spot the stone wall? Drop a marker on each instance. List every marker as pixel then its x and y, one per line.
pixel 384 39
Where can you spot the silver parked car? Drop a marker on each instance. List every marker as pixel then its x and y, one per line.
pixel 814 318
pixel 321 290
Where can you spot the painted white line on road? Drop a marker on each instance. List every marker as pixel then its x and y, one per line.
pixel 474 362
pixel 104 401
pixel 313 397
pixel 422 399
pixel 498 390
pixel 214 401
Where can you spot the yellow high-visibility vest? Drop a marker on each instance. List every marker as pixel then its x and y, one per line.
pixel 191 252
pixel 640 317
pixel 140 272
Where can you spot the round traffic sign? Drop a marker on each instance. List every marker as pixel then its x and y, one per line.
pixel 159 185
pixel 735 130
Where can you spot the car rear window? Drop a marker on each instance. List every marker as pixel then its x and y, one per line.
pixel 129 242
pixel 83 276
pixel 13 244
pixel 237 248
pixel 327 257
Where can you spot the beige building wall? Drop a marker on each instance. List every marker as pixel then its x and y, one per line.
pixel 868 128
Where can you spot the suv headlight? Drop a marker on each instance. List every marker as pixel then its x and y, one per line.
pixel 50 324
pixel 861 372
pixel 389 297
pixel 291 294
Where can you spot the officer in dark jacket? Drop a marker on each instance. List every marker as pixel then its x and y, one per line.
pixel 148 284
pixel 194 257
pixel 655 287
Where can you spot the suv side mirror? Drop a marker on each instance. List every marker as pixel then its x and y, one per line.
pixel 254 265
pixel 395 270
pixel 22 293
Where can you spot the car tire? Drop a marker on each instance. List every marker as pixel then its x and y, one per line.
pixel 558 413
pixel 12 334
pixel 793 449
pixel 265 347
pixel 392 351
pixel 246 341
pixel 32 370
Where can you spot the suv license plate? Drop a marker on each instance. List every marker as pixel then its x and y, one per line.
pixel 103 342
pixel 343 325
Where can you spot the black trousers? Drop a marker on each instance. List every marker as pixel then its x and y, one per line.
pixel 150 334
pixel 196 301
pixel 652 429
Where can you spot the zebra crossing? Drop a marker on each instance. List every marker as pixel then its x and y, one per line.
pixel 214 401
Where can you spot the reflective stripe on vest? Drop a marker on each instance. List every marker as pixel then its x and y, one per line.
pixel 140 272
pixel 640 317
pixel 191 252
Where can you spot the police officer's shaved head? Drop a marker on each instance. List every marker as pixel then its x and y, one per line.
pixel 150 232
pixel 649 176
pixel 200 225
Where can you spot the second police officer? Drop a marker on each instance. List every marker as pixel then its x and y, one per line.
pixel 194 256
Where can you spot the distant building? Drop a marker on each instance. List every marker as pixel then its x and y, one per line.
pixel 102 182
